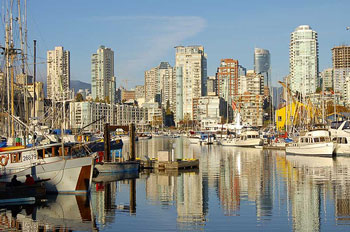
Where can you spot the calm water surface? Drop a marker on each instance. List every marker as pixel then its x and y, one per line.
pixel 236 189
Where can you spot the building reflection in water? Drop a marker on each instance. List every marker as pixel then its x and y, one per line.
pixel 184 189
pixel 301 192
pixel 310 182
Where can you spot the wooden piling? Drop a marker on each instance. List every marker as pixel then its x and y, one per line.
pixel 107 143
pixel 132 196
pixel 132 141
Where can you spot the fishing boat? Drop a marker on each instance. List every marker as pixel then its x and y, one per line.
pixel 313 143
pixel 246 139
pixel 66 172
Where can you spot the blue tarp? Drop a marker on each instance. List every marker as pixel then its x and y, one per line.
pixel 58 132
pixel 3 144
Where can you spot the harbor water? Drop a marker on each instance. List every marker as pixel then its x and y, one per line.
pixel 234 189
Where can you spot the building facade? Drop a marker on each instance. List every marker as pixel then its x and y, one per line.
pixel 303 60
pixel 58 73
pixel 211 85
pixel 251 109
pixel 251 83
pixel 262 64
pixel 84 113
pixel 160 85
pixel 327 78
pixel 227 79
pixel 139 91
pixel 103 81
pixel 191 79
pixel 341 69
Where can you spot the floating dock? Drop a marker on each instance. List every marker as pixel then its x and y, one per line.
pixel 118 167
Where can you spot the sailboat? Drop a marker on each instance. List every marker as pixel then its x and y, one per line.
pixel 65 169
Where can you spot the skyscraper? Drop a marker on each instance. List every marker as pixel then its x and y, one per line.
pixel 160 83
pixel 227 79
pixel 103 82
pixel 58 73
pixel 191 79
pixel 262 64
pixel 341 67
pixel 303 60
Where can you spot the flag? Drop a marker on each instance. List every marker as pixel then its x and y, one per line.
pixel 234 107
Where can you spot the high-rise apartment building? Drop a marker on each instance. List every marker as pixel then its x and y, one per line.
pixel 252 83
pixel 139 91
pixel 160 84
pixel 103 81
pixel 191 79
pixel 211 85
pixel 303 60
pixel 341 67
pixel 58 73
pixel 327 78
pixel 262 64
pixel 227 79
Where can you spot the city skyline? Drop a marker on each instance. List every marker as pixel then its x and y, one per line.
pixel 161 27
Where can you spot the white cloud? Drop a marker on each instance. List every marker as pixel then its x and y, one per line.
pixel 162 34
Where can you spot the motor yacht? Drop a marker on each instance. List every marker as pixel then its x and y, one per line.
pixel 313 143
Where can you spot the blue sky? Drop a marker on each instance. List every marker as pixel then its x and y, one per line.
pixel 143 33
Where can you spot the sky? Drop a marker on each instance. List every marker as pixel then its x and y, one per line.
pixel 143 33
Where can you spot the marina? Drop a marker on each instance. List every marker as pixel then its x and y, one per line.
pixel 197 146
pixel 248 188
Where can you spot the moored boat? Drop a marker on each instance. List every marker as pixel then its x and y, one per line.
pixel 66 172
pixel 246 139
pixel 313 143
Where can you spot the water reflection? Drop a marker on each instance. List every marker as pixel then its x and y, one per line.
pixel 61 212
pixel 241 188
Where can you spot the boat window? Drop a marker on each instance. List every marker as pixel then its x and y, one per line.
pixel 48 153
pixel 336 125
pixel 249 136
pixel 301 140
pixel 334 139
pixel 316 140
pixel 41 154
pixel 322 139
pixel 345 140
pixel 347 125
pixel 15 157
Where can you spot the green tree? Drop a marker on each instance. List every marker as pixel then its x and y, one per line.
pixel 79 97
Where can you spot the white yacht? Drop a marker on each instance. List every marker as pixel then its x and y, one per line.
pixel 246 139
pixel 313 143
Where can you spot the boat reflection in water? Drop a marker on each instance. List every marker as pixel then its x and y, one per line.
pixel 234 188
pixel 60 212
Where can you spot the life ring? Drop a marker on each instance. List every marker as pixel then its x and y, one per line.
pixel 6 160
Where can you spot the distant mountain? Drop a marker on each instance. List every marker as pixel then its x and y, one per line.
pixel 76 85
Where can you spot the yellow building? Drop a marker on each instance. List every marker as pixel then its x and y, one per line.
pixel 296 113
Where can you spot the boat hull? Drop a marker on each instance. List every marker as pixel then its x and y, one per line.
pixel 323 149
pixel 342 149
pixel 64 175
pixel 242 143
